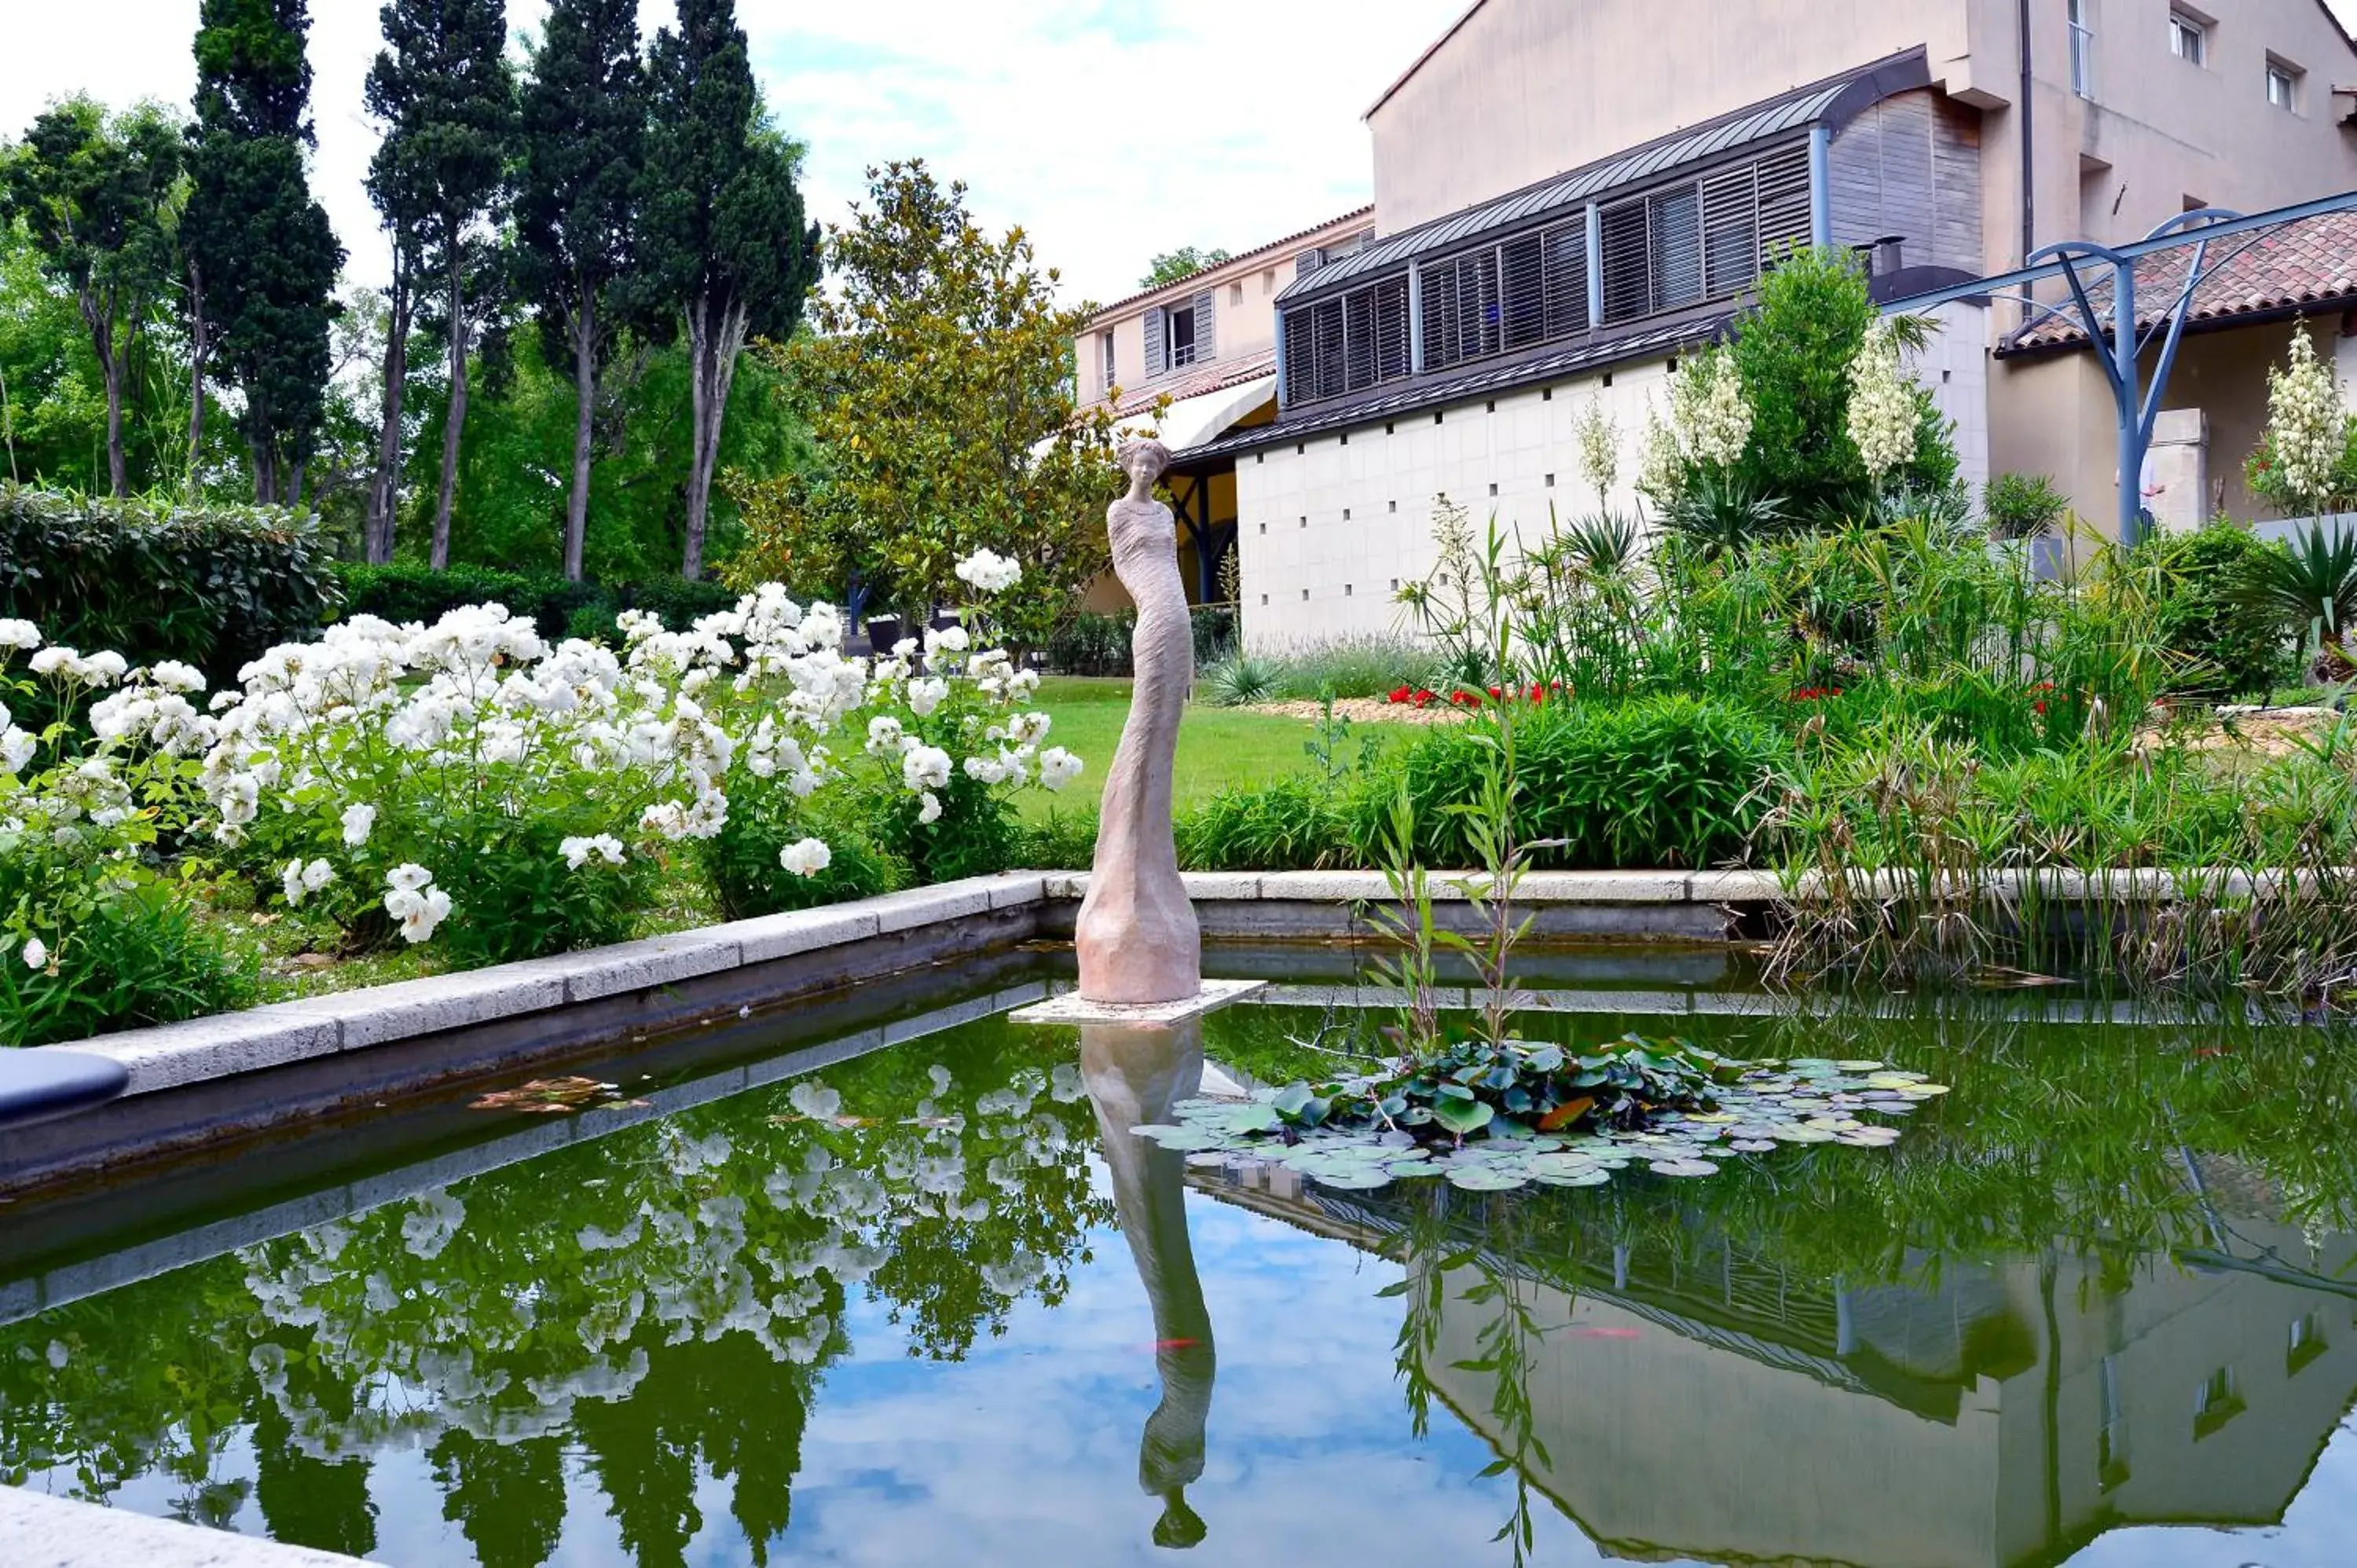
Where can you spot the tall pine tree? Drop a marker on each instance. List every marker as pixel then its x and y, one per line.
pixel 584 129
pixel 443 87
pixel 724 251
pixel 96 200
pixel 263 258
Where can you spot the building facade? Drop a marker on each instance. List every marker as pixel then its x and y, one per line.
pixel 1569 197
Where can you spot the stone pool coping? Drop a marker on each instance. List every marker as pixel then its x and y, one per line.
pixel 1301 903
pixel 667 979
pixel 43 1531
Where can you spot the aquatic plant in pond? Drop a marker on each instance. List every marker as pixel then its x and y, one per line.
pixel 1491 1117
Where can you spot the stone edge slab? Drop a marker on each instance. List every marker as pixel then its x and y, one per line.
pixel 43 1531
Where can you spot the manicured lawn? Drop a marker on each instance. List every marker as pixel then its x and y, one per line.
pixel 1217 747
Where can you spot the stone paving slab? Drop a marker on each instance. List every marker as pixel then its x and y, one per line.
pixel 41 1531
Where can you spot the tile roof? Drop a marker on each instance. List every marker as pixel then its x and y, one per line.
pixel 2300 266
pixel 1483 380
pixel 1195 381
pixel 1836 99
pixel 1253 254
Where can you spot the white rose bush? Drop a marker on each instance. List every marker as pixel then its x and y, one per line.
pixel 468 785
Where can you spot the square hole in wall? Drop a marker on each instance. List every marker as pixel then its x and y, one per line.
pixel 1547 395
pixel 1608 378
pixel 1264 528
pixel 1394 585
pixel 1550 484
pixel 1264 598
pixel 1304 522
pixel 1396 507
pixel 1494 489
pixel 1492 405
pixel 1259 457
pixel 1944 375
pixel 1346 514
pixel 1304 596
pixel 1436 418
pixel 1391 427
pixel 1346 590
pixel 1346 438
pixel 1301 449
pixel 1673 364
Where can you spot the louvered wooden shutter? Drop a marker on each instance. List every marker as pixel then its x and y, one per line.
pixel 1566 280
pixel 1628 293
pixel 1730 232
pixel 1783 203
pixel 1206 335
pixel 1391 330
pixel 1675 219
pixel 1157 341
pixel 1300 356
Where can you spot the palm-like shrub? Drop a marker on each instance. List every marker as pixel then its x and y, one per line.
pixel 2312 584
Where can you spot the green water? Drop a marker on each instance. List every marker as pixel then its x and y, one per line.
pixel 2098 1306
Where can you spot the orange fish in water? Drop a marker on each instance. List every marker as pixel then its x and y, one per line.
pixel 1160 1346
pixel 1608 1334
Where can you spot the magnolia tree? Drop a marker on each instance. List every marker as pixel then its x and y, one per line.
pixel 467 776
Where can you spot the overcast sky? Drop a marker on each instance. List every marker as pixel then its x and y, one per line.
pixel 1110 129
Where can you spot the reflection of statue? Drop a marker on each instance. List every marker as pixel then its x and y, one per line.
pixel 1134 1077
pixel 1137 937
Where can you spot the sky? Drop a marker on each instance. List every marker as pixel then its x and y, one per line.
pixel 1111 130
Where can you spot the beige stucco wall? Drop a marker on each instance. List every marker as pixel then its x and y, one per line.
pixel 1526 89
pixel 1246 287
pixel 1329 528
pixel 2055 416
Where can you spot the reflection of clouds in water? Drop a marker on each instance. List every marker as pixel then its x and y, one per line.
pixel 1020 1455
pixel 2316 1533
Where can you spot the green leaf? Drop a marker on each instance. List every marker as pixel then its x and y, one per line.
pixel 1463 1116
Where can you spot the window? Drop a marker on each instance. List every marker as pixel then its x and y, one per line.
pixel 1707 240
pixel 1347 343
pixel 2283 86
pixel 1105 364
pixel 2218 1401
pixel 1182 336
pixel 2189 40
pixel 2305 1343
pixel 2082 51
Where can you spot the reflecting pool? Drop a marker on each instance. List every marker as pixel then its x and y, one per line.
pixel 917 1297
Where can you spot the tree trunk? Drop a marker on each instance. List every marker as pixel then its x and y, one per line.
pixel 118 472
pixel 385 485
pixel 712 350
pixel 584 391
pixel 200 350
pixel 454 419
pixel 264 462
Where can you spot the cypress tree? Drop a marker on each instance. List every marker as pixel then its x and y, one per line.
pixel 724 250
pixel 263 258
pixel 444 90
pixel 584 125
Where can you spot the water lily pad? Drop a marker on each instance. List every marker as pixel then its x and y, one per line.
pixel 1860 1067
pixel 1803 1135
pixel 1685 1167
pixel 1484 1178
pixel 1753 1145
pixel 1207 1158
pixel 1591 1177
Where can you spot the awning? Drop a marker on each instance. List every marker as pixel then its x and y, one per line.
pixel 1199 421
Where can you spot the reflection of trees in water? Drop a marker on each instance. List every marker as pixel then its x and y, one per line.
pixel 660 1300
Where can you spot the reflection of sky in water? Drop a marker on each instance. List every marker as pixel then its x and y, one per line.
pixel 2319 1530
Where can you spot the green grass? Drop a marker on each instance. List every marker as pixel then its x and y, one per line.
pixel 1217 747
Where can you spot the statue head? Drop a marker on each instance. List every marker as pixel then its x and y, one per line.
pixel 1144 460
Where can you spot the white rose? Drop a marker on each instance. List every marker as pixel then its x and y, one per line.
pixel 37 952
pixel 19 634
pixel 807 858
pixel 1058 767
pixel 930 811
pixel 358 822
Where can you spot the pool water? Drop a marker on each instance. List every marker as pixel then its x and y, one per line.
pixel 931 1304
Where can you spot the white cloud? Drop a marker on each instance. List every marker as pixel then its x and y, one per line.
pixel 1110 129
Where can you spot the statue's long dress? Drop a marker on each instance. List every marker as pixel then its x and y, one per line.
pixel 1134 1077
pixel 1137 937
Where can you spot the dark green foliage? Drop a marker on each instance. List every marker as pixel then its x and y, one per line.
pixel 1184 262
pixel 2311 586
pixel 976 834
pixel 406 591
pixel 211 586
pixel 2232 646
pixel 742 862
pixel 581 132
pixel 2022 506
pixel 260 250
pixel 1795 348
pixel 134 961
pixel 1292 824
pixel 1718 510
pixel 1061 842
pixel 1239 681
pixel 724 251
pixel 517 899
pixel 1087 644
pixel 1656 781
pixel 96 199
pixel 1217 635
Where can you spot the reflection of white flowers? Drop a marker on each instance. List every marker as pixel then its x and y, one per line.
pixel 815 1100
pixel 427 1229
pixel 1882 414
pixel 807 858
pixel 991 572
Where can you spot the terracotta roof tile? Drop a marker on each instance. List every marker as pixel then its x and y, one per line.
pixel 2305 264
pixel 1196 381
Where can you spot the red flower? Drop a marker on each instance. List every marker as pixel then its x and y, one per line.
pixel 1402 695
pixel 1495 694
pixel 1424 697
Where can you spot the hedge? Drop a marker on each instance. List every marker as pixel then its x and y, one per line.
pixel 211 586
pixel 405 591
